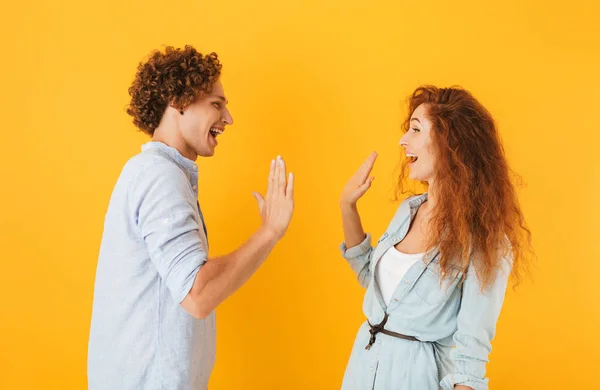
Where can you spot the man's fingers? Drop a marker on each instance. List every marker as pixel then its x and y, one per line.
pixel 259 199
pixel 289 192
pixel 281 176
pixel 270 183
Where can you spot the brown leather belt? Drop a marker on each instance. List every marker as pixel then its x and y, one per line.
pixel 379 328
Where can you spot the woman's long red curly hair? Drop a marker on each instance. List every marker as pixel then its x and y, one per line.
pixel 477 217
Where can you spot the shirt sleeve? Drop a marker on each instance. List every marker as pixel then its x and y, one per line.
pixel 359 258
pixel 166 217
pixel 476 327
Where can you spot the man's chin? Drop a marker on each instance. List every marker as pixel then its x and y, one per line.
pixel 206 153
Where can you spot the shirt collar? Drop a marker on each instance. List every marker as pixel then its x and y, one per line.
pixel 417 201
pixel 172 153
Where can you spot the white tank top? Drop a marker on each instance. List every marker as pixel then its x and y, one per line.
pixel 391 268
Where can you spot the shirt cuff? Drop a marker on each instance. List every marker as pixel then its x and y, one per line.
pixel 358 250
pixel 463 379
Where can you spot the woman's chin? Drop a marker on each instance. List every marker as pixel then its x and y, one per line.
pixel 415 176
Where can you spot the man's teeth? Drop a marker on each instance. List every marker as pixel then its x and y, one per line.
pixel 216 132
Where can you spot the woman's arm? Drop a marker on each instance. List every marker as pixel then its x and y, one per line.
pixel 357 245
pixel 476 327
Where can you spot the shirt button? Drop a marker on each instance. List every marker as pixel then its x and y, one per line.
pixel 195 188
pixel 195 167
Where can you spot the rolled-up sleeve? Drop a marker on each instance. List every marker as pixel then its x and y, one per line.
pixel 166 208
pixel 476 327
pixel 359 258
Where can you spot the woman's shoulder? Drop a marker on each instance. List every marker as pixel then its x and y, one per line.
pixel 411 201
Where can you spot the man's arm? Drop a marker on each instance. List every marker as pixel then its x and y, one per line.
pixel 220 277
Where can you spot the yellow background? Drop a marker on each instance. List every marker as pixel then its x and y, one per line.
pixel 322 83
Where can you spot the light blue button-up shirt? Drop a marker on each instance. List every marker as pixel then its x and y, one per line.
pixel 454 323
pixel 153 245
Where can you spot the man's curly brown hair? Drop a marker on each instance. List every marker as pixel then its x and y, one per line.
pixel 177 77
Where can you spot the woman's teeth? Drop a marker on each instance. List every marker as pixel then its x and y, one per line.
pixel 412 158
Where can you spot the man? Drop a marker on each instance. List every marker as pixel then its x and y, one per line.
pixel 156 290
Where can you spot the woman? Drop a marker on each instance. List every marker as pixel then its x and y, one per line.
pixel 437 277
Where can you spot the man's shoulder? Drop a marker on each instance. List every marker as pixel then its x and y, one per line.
pixel 149 173
pixel 152 166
